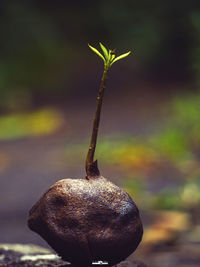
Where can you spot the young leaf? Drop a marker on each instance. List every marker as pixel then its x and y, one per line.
pixel 97 52
pixel 120 57
pixel 105 51
pixel 109 55
pixel 112 57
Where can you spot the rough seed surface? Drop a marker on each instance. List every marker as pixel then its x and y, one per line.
pixel 87 220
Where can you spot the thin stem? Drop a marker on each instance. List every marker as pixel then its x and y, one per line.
pixel 92 170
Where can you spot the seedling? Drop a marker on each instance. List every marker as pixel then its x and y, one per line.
pixel 89 220
pixel 108 59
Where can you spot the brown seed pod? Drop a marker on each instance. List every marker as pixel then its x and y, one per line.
pixel 87 221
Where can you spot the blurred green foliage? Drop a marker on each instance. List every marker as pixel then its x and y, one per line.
pixel 38 123
pixel 42 43
pixel 33 54
pixel 195 51
pixel 186 111
pixel 170 143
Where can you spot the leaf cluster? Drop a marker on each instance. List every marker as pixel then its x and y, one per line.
pixel 108 55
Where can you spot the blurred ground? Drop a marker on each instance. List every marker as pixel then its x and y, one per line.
pixel 17 255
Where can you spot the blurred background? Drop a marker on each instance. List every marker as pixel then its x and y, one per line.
pixel 149 139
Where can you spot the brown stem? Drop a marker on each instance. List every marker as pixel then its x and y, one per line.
pixel 92 170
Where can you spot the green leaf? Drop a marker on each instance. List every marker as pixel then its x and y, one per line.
pixel 112 57
pixel 109 55
pixel 97 52
pixel 120 57
pixel 105 51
